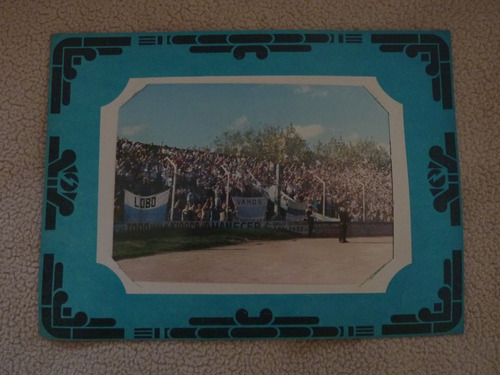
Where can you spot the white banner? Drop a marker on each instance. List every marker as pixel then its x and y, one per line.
pixel 146 209
pixel 250 208
pixel 295 211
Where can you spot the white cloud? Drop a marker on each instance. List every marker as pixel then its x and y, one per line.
pixel 312 91
pixel 353 137
pixel 309 131
pixel 239 123
pixel 128 131
pixel 302 89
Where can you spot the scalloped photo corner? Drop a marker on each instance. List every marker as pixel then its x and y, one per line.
pixel 251 185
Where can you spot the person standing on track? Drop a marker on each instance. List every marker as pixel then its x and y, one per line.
pixel 344 223
pixel 310 221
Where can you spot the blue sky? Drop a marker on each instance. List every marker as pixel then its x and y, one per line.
pixel 192 115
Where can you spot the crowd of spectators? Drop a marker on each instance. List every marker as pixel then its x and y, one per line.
pixel 202 180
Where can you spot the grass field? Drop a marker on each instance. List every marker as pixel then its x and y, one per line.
pixel 138 244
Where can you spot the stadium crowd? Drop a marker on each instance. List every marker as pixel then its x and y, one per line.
pixel 147 169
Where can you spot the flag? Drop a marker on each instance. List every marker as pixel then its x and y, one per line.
pixel 295 211
pixel 145 209
pixel 250 208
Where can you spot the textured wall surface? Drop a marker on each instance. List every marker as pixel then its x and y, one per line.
pixel 25 29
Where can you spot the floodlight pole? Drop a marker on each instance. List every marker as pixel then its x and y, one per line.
pixel 324 192
pixel 363 186
pixel 278 185
pixel 227 188
pixel 174 183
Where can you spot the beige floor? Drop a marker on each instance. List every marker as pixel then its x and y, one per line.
pixel 301 261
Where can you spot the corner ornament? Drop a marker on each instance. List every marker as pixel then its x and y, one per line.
pixel 433 50
pixel 68 54
pixel 59 320
pixel 445 315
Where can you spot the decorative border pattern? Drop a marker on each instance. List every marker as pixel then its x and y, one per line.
pixel 68 54
pixel 443 178
pixel 264 326
pixel 60 321
pixel 433 50
pixel 261 44
pixel 445 315
pixel 62 174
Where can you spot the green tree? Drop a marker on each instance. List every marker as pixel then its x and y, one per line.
pixel 272 143
pixel 279 144
pixel 354 153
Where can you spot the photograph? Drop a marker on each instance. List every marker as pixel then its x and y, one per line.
pixel 253 183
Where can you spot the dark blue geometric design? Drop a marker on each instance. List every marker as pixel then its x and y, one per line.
pixel 69 53
pixel 443 178
pixel 260 44
pixel 263 326
pixel 433 50
pixel 445 315
pixel 58 320
pixel 62 182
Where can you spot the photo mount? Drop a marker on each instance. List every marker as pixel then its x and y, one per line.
pixel 72 238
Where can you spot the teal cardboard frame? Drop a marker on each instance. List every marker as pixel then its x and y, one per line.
pixel 84 294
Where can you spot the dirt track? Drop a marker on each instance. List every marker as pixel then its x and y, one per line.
pixel 301 261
